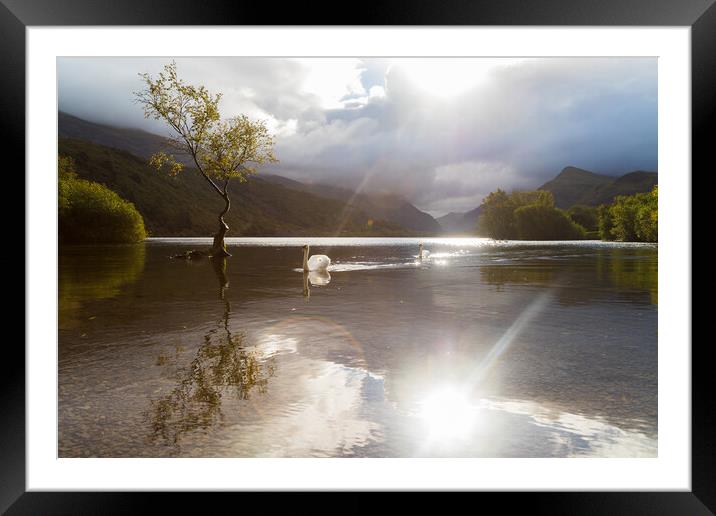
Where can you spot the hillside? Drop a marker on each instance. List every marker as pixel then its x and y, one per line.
pixel 186 206
pixel 576 186
pixel 390 208
pixel 138 142
pixel 381 206
pixel 460 223
pixel 628 184
pixel 451 222
pixel 573 185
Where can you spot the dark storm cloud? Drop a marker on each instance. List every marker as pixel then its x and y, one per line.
pixel 443 135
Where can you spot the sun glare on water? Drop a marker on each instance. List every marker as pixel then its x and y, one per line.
pixel 448 414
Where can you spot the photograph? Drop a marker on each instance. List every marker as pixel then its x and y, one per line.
pixel 412 249
pixel 357 257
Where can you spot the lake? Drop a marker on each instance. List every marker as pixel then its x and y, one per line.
pixel 486 349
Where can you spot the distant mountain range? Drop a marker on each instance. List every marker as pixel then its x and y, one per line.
pixel 267 205
pixel 577 186
pixel 271 205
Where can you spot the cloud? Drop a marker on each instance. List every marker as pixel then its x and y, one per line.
pixel 442 132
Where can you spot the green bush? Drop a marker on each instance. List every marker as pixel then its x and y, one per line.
pixel 497 219
pixel 631 218
pixel 540 222
pixel 89 212
pixel 585 216
pixel 606 223
pixel 526 215
pixel 647 224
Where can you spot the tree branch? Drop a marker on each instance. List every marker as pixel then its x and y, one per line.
pixel 201 171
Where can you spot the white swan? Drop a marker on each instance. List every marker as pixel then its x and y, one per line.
pixel 422 253
pixel 317 262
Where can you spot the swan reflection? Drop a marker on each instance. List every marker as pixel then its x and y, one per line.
pixel 315 278
pixel 319 278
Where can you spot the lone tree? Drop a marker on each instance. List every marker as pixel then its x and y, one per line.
pixel 220 149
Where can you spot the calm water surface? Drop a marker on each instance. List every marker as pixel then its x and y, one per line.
pixel 487 349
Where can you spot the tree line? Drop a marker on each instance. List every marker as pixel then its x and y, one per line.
pixel 532 215
pixel 631 218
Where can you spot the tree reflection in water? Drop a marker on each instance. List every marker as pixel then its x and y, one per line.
pixel 80 282
pixel 632 271
pixel 499 275
pixel 222 366
pixel 630 274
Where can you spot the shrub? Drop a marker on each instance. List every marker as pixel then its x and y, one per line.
pixel 647 217
pixel 632 218
pixel 497 218
pixel 89 212
pixel 606 224
pixel 585 216
pixel 526 215
pixel 540 222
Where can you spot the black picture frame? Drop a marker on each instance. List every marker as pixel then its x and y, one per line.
pixel 700 15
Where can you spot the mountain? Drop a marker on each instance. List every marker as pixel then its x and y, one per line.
pixel 186 206
pixel 451 222
pixel 388 207
pixel 138 142
pixel 460 223
pixel 577 186
pixel 573 185
pixel 628 184
pixel 391 209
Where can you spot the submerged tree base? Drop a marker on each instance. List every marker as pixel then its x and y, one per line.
pixel 194 254
pixel 219 252
pixel 191 255
pixel 218 248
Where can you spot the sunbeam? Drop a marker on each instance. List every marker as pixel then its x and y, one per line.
pixel 504 342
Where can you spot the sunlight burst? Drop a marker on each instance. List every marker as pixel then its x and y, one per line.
pixel 449 77
pixel 449 414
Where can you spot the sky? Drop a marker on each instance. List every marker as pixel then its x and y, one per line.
pixel 442 132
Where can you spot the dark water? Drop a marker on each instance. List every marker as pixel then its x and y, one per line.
pixel 484 350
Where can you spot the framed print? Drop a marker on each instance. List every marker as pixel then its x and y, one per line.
pixel 418 252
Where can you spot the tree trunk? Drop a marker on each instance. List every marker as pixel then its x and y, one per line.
pixel 218 248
